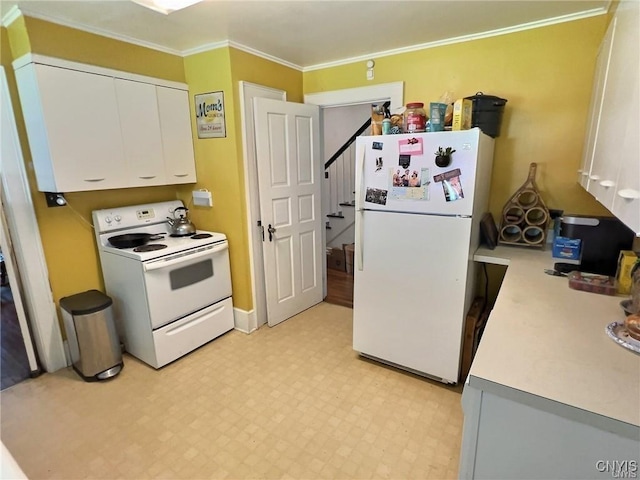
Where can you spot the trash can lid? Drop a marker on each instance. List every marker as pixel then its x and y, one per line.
pixel 85 303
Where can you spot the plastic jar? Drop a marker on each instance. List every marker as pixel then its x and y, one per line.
pixel 415 118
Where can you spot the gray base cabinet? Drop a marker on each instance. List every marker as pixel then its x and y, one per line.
pixel 513 435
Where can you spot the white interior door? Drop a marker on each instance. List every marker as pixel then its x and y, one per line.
pixel 289 177
pixel 249 91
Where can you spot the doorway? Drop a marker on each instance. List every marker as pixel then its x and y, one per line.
pixel 18 358
pixel 343 113
pixel 353 96
pixel 20 223
pixel 14 360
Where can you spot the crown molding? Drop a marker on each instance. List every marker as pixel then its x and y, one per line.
pixel 97 31
pixel 244 48
pixel 11 16
pixel 16 12
pixel 266 56
pixel 464 38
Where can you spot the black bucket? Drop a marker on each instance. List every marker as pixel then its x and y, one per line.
pixel 487 113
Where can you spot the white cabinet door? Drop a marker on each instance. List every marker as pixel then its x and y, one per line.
pixel 605 167
pixel 81 129
pixel 626 201
pixel 177 140
pixel 140 124
pixel 595 110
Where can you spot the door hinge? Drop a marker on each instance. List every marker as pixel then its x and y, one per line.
pixel 261 229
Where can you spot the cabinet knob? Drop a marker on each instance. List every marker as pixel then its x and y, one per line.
pixel 629 193
pixel 594 177
pixel 607 184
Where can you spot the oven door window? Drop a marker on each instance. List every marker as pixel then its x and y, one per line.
pixel 191 274
pixel 180 285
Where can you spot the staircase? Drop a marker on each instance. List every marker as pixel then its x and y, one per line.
pixel 339 189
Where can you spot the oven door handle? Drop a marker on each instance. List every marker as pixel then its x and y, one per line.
pixel 158 264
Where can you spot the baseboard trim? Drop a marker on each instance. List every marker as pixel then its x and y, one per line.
pixel 245 322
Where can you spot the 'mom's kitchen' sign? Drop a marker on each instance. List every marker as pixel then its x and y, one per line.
pixel 210 115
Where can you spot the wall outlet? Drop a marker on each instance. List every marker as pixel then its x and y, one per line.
pixel 202 198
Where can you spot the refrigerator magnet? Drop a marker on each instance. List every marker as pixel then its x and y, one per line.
pixel 376 195
pixel 377 145
pixel 378 164
pixel 407 184
pixel 404 161
pixel 451 185
pixel 410 146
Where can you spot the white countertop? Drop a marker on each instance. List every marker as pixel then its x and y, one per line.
pixel 548 340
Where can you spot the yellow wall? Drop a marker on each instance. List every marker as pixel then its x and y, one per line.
pixel 219 169
pixel 546 76
pixel 67 237
pixel 75 45
pixel 220 161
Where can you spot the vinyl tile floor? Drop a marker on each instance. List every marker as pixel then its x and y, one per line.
pixel 293 401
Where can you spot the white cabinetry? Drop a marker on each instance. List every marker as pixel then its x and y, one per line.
pixel 177 142
pixel 73 126
pixel 140 125
pixel 91 128
pixel 612 151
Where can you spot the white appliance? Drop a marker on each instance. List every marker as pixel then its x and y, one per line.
pixel 417 227
pixel 170 295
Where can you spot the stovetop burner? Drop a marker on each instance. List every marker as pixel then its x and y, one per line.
pixel 149 247
pixel 198 236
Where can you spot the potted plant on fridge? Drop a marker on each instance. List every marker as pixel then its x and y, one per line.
pixel 443 156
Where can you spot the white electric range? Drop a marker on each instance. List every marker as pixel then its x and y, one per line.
pixel 170 295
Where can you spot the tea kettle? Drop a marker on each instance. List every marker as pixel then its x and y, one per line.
pixel 180 226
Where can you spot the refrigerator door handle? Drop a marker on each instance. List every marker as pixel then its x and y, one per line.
pixel 359 239
pixel 360 151
pixel 360 154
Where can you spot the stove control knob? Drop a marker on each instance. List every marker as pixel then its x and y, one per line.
pixel 108 220
pixel 117 218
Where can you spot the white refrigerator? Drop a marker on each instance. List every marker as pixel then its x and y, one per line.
pixel 417 228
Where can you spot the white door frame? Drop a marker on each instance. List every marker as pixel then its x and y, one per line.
pixel 337 98
pixel 16 290
pixel 249 321
pixel 22 225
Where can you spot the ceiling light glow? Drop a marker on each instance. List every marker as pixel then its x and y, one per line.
pixel 166 6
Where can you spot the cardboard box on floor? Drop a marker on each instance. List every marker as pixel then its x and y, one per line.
pixel 348 255
pixel 335 259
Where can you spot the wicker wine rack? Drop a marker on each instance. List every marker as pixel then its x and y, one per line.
pixel 525 216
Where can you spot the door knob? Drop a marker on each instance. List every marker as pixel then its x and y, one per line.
pixel 271 231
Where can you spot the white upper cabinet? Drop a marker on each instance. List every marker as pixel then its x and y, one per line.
pixel 612 150
pixel 91 128
pixel 602 68
pixel 140 124
pixel 626 201
pixel 177 141
pixel 73 128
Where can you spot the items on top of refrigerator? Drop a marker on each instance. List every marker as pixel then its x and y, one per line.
pixel 415 118
pixel 479 110
pixel 462 110
pixel 487 113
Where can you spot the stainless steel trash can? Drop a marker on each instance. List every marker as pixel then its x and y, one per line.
pixel 91 335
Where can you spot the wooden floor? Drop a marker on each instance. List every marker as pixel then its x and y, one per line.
pixel 14 364
pixel 339 288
